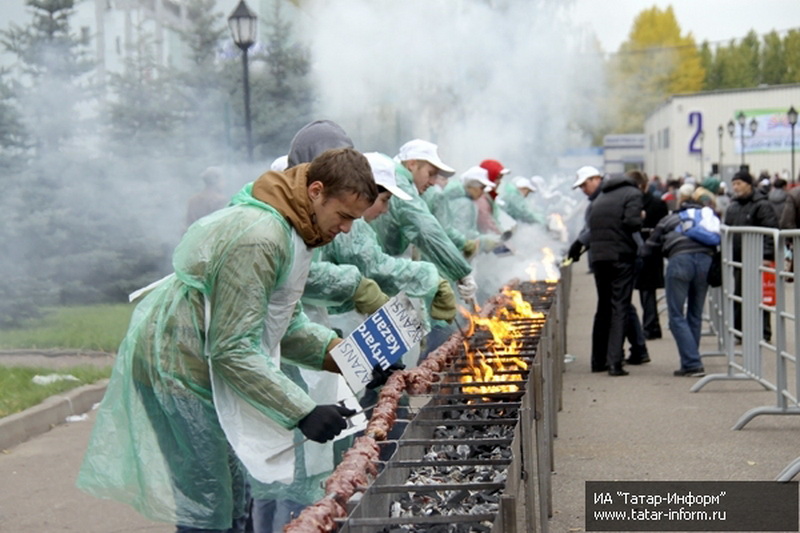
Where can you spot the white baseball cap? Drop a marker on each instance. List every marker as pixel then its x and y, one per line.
pixel 383 173
pixel 583 174
pixel 479 175
pixel 280 163
pixel 521 182
pixel 426 151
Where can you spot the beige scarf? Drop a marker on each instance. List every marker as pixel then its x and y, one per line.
pixel 288 193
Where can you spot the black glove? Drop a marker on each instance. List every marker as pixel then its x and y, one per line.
pixel 575 251
pixel 379 375
pixel 325 422
pixel 506 235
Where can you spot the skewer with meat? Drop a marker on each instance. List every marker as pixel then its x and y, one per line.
pixel 318 517
pixel 358 463
pixel 353 472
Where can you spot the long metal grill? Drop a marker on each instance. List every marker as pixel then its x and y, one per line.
pixel 473 457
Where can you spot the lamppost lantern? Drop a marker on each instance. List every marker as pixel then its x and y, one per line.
pixel 731 128
pixel 243 23
pixel 792 116
pixel 753 126
pixel 741 119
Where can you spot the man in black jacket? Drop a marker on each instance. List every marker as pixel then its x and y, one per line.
pixel 614 224
pixel 749 207
pixel 651 276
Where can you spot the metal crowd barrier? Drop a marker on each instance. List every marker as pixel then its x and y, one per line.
pixel 745 348
pixel 713 317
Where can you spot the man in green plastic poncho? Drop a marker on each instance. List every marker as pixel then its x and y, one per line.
pixel 197 390
pixel 512 198
pixel 461 196
pixel 411 222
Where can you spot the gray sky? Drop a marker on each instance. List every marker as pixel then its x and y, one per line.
pixel 712 20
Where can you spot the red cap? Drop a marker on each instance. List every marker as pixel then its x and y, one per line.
pixel 495 169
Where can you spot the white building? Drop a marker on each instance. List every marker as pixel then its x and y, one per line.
pixel 114 29
pixel 690 133
pixel 623 152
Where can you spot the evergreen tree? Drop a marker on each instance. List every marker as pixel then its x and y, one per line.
pixel 50 80
pixel 144 108
pixel 791 51
pixel 749 60
pixel 709 66
pixel 205 87
pixel 52 68
pixel 773 61
pixel 13 137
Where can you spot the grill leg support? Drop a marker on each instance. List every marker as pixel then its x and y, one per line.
pixel 508 514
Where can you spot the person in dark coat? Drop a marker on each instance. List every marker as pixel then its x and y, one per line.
pixel 651 276
pixel 790 216
pixel 588 180
pixel 749 207
pixel 777 196
pixel 614 224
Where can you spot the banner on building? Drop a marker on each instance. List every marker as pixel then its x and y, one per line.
pixel 773 132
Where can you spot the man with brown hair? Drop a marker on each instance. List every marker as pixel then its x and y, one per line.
pixel 197 389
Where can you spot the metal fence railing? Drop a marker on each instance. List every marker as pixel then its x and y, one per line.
pixel 753 314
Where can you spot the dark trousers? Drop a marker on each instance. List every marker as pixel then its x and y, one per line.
pixel 634 332
pixel 614 283
pixel 650 323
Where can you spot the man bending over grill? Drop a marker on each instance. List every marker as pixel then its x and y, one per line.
pixel 197 390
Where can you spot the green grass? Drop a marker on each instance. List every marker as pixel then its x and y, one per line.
pixel 92 327
pixel 18 391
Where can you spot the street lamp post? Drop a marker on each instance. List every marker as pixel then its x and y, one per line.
pixel 243 26
pixel 740 118
pixel 731 131
pixel 720 133
pixel 792 115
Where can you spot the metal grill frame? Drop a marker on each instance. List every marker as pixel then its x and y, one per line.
pixel 526 502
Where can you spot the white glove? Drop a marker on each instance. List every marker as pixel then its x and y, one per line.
pixel 467 287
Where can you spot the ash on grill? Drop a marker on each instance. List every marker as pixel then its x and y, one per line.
pixel 483 466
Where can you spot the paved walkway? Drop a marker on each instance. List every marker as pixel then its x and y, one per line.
pixel 642 427
pixel 648 427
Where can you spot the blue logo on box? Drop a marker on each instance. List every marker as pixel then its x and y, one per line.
pixel 379 340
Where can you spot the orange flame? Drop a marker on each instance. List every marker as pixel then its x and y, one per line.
pixel 492 371
pixel 549 266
